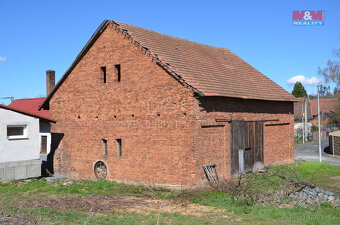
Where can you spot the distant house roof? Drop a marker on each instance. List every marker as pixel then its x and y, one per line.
pixel 29 106
pixel 326 105
pixel 207 70
pixel 298 105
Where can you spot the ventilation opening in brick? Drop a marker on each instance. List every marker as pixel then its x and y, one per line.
pixel 119 146
pixel 104 143
pixel 104 73
pixel 100 170
pixel 117 66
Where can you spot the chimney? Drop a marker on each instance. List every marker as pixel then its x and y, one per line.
pixel 50 81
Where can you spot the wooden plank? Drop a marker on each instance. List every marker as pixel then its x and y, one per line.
pixel 260 142
pixel 235 128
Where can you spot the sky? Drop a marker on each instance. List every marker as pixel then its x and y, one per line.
pixel 48 35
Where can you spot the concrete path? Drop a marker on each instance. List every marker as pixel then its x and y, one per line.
pixel 310 152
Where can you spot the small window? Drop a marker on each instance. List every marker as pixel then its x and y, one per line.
pixel 117 66
pixel 43 145
pixel 16 131
pixel 104 74
pixel 119 146
pixel 104 142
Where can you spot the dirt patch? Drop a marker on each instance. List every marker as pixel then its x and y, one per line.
pixel 335 178
pixel 125 204
pixel 12 218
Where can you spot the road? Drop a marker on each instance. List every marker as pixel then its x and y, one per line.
pixel 310 152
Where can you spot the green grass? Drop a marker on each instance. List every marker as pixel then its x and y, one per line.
pixel 235 212
pixel 251 214
pixel 317 173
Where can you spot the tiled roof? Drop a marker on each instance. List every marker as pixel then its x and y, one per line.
pixel 298 108
pixel 326 105
pixel 30 106
pixel 207 70
pixel 211 70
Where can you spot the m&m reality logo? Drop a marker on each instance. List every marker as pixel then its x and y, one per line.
pixel 308 18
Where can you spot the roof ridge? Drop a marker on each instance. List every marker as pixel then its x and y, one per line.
pixel 167 35
pixel 163 65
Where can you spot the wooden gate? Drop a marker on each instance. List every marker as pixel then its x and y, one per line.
pixel 246 146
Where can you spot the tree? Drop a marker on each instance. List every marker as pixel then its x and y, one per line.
pixel 299 90
pixel 331 73
pixel 325 90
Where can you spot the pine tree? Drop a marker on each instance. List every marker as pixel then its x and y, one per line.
pixel 299 90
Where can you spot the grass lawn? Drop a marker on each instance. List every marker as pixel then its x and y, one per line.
pixel 108 202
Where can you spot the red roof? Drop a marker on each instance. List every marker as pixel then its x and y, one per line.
pixel 29 106
pixel 326 105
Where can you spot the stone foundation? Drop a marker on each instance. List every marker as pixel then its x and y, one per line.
pixel 17 170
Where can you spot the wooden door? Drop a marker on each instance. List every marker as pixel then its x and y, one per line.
pixel 247 142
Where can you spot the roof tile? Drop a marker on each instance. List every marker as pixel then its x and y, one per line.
pixel 30 106
pixel 213 71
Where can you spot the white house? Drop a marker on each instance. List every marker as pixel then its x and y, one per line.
pixel 24 135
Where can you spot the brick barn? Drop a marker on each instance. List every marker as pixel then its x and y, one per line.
pixel 141 106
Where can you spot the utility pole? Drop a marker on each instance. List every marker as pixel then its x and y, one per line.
pixel 303 126
pixel 320 156
pixel 306 114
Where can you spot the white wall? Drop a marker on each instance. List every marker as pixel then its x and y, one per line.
pixel 19 149
pixel 298 127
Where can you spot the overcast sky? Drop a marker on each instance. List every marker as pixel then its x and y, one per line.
pixel 40 35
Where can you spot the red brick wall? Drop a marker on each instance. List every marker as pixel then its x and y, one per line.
pixel 146 110
pixel 209 134
pixel 277 140
pixel 159 121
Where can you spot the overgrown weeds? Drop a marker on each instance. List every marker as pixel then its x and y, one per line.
pixel 237 198
pixel 270 184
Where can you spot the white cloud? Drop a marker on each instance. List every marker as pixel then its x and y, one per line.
pixel 313 81
pixel 3 59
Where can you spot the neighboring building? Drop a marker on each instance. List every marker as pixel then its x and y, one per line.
pixel 334 143
pixel 141 106
pixel 327 106
pixel 23 135
pixel 298 129
pixel 299 109
pixel 31 105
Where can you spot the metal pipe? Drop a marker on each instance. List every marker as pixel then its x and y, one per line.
pixel 320 156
